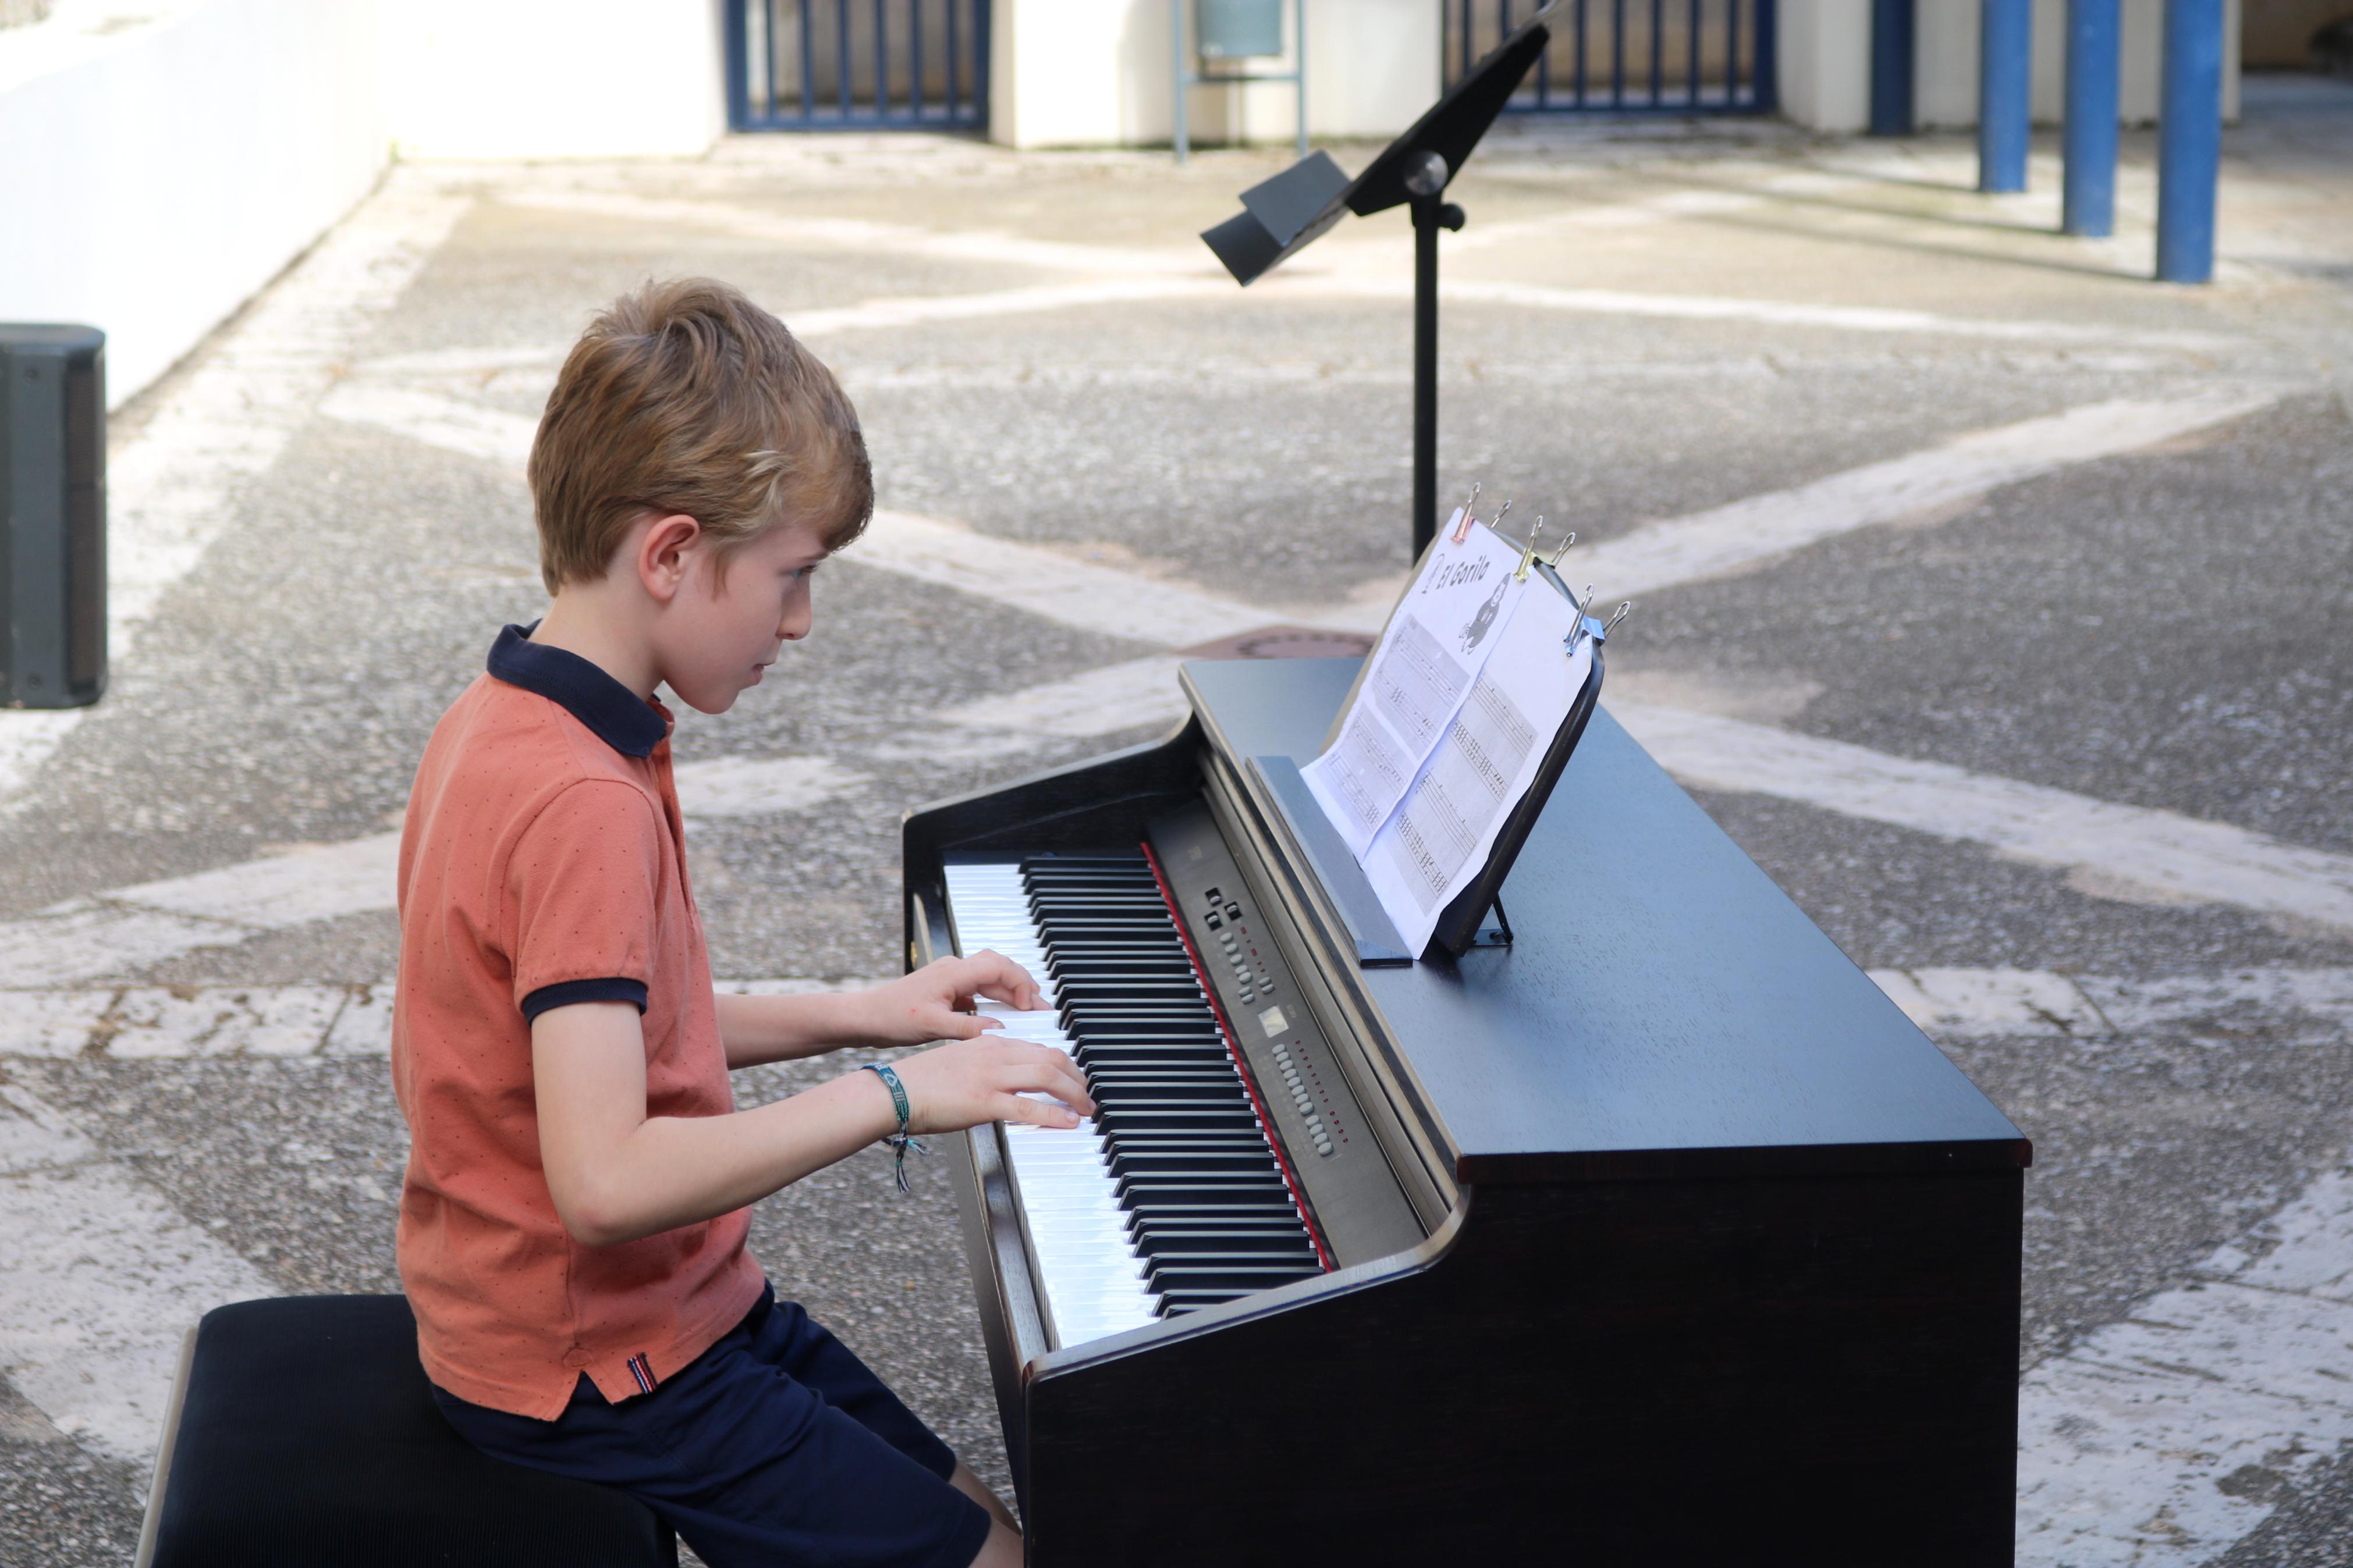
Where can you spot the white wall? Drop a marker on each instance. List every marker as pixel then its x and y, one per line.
pixel 155 173
pixel 1373 67
pixel 1091 73
pixel 1944 76
pixel 1823 67
pixel 533 79
pixel 1825 63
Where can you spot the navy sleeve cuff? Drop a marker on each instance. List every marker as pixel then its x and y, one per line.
pixel 613 988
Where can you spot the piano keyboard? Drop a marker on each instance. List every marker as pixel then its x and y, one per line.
pixel 1172 1197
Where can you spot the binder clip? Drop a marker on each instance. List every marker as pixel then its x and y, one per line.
pixel 1588 625
pixel 1528 552
pixel 1464 518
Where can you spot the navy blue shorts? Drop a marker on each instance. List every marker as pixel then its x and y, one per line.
pixel 774 1445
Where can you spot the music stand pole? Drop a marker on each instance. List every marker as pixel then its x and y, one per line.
pixel 1425 179
pixel 1425 373
pixel 1286 213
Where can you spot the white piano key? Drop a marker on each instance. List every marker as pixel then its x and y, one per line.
pixel 1087 1266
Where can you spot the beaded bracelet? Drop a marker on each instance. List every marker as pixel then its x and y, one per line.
pixel 902 1140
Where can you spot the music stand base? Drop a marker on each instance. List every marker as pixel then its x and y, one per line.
pixel 1495 932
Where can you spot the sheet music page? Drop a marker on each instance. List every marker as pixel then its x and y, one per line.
pixel 1441 636
pixel 1437 842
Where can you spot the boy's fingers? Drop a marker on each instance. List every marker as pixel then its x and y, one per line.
pixel 1037 1112
pixel 1000 979
pixel 1054 1077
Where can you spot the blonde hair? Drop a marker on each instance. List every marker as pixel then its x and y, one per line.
pixel 685 396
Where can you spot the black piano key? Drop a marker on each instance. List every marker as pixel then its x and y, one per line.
pixel 1202 1247
pixel 1124 991
pixel 1098 950
pixel 1137 933
pixel 1206 1201
pixel 1117 969
pixel 1168 1160
pixel 1194 1087
pixel 1183 1141
pixel 1164 1235
pixel 1111 1094
pixel 1171 1064
pixel 1188 1026
pixel 1206 1186
pixel 1164 1274
pixel 1135 1027
pixel 1128 1128
pixel 1253 1215
pixel 1166 1057
pixel 1271 1201
pixel 1229 1220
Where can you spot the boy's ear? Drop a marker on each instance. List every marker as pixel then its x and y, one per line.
pixel 660 556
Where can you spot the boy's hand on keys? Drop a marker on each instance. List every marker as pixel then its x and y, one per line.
pixel 935 1002
pixel 967 1082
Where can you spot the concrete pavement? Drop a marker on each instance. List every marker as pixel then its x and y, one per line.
pixel 1093 450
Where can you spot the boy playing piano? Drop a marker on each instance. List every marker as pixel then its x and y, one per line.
pixel 572 1221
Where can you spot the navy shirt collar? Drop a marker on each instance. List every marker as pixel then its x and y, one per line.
pixel 615 714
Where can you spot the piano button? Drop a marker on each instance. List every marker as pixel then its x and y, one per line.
pixel 1233 911
pixel 1213 894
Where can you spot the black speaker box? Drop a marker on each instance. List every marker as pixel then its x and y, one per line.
pixel 52 516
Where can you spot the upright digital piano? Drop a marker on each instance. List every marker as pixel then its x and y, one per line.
pixel 1659 1235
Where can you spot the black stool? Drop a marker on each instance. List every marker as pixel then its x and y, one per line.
pixel 303 1432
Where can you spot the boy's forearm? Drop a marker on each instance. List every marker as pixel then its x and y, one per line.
pixel 755 1029
pixel 673 1171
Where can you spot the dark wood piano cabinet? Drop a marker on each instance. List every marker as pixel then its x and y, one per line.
pixel 1724 1254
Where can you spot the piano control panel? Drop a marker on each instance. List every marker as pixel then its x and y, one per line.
pixel 1339 1167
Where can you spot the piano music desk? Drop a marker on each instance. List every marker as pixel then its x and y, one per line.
pixel 1728 1267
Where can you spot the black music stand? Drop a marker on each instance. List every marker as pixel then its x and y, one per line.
pixel 1282 215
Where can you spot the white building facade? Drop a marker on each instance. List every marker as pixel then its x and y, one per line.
pixel 161 160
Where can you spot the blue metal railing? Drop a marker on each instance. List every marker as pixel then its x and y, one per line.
pixel 1629 57
pixel 824 65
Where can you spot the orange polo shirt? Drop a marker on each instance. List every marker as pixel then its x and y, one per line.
pixel 543 863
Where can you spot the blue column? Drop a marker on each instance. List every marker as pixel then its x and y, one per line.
pixel 2088 204
pixel 2005 66
pixel 1892 25
pixel 2189 141
pixel 739 69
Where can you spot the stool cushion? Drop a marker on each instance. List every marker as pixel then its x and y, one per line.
pixel 308 1435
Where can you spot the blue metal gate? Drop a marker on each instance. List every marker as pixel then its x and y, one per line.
pixel 1629 57
pixel 824 64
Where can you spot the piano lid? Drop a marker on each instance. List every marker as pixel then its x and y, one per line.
pixel 1664 1010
